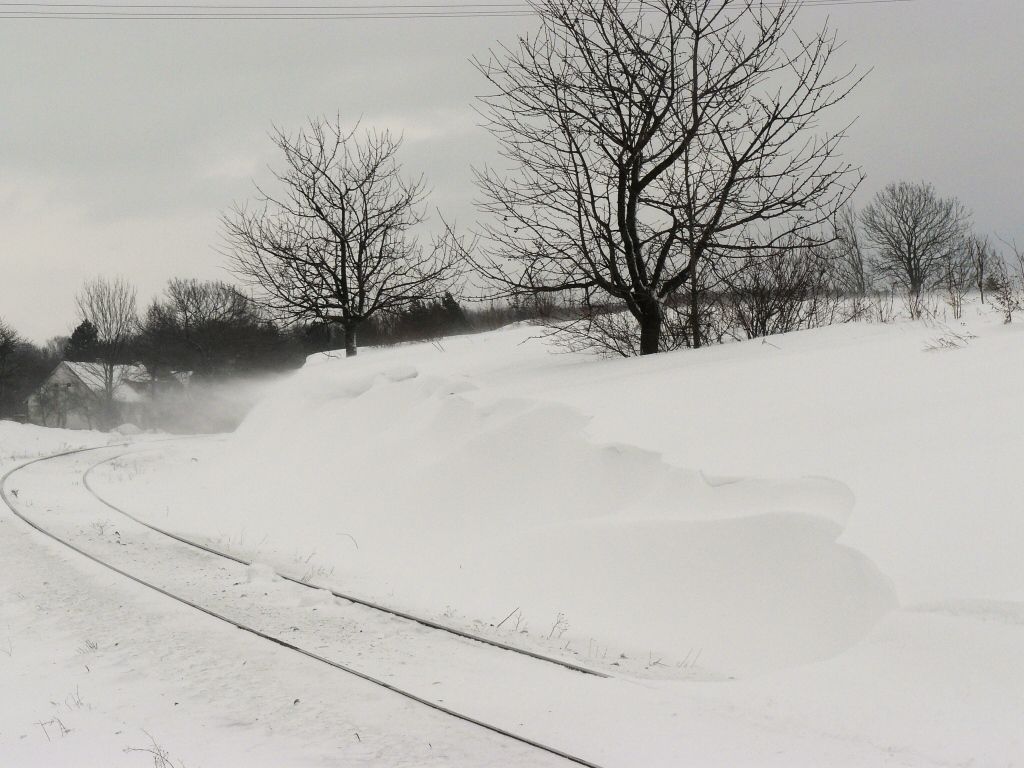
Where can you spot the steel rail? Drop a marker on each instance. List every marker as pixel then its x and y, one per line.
pixel 342 595
pixel 11 505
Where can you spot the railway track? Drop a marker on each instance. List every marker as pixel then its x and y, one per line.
pixel 17 507
pixel 341 595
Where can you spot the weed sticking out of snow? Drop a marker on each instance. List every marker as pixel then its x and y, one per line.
pixel 89 646
pixel 53 726
pixel 160 756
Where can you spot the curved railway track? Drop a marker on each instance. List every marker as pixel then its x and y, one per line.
pixel 13 505
pixel 342 595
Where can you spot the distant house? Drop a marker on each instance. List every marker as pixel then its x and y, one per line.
pixel 73 396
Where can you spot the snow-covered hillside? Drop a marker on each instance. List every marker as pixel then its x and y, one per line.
pixel 819 533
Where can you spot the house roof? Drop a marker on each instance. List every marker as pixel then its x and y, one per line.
pixel 125 376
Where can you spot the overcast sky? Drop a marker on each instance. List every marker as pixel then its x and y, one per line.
pixel 121 141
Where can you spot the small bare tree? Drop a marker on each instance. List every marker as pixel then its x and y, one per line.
pixel 848 265
pixel 1008 280
pixel 1006 290
pixel 781 291
pixel 110 305
pixel 645 137
pixel 982 256
pixel 337 245
pixel 914 232
pixel 958 277
pixel 606 328
pixel 851 265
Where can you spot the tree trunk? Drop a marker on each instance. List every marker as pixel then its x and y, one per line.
pixel 650 329
pixel 350 340
pixel 695 329
pixel 915 300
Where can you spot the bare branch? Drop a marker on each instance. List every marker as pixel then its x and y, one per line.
pixel 645 138
pixel 337 243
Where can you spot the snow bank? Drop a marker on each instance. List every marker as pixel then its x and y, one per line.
pixel 419 478
pixel 837 511
pixel 27 441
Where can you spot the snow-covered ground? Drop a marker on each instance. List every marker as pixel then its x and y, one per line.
pixel 98 671
pixel 797 552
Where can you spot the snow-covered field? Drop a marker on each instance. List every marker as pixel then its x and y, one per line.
pixel 97 671
pixel 797 552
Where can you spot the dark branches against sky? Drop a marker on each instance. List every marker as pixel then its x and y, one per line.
pixel 645 138
pixel 336 243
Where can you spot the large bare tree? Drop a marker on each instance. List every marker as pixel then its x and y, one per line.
pixel 110 305
pixel 337 242
pixel 644 137
pixel 915 233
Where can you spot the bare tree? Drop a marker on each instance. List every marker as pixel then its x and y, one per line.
pixel 56 347
pixel 197 326
pixel 647 136
pixel 1008 280
pixel 1006 290
pixel 914 232
pixel 197 302
pixel 958 277
pixel 982 256
pixel 781 291
pixel 850 266
pixel 337 244
pixel 110 305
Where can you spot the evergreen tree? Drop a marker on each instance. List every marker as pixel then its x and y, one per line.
pixel 455 319
pixel 83 345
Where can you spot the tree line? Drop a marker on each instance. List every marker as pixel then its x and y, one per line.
pixel 667 176
pixel 209 331
pixel 906 252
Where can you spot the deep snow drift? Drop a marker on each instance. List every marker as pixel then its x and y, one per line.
pixel 813 540
pixel 762 504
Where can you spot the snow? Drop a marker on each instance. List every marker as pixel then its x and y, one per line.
pixel 99 672
pixel 514 477
pixel 798 551
pixel 20 442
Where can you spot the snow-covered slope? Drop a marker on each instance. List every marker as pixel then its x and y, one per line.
pixel 764 504
pixel 814 540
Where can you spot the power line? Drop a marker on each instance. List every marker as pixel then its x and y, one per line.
pixel 223 12
pixel 524 6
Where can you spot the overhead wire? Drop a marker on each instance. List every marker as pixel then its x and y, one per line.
pixel 281 12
